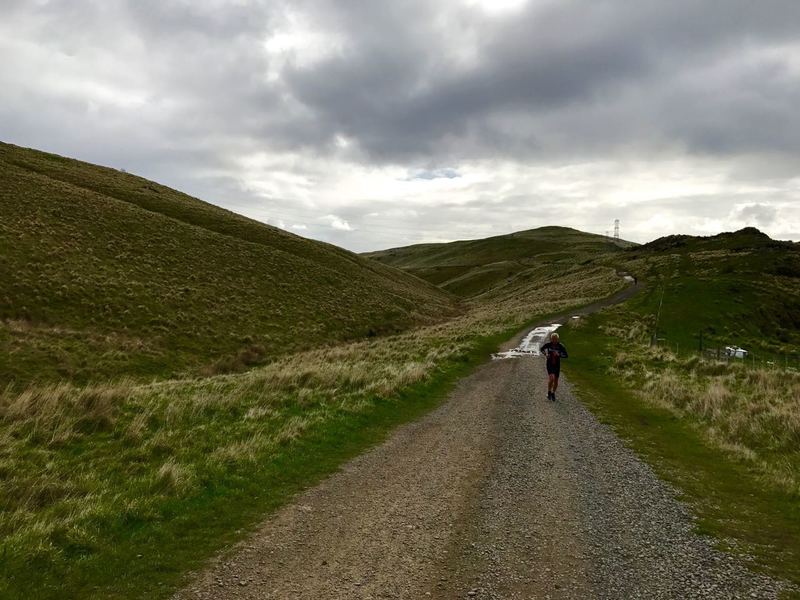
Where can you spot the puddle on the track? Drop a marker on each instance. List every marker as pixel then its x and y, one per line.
pixel 530 343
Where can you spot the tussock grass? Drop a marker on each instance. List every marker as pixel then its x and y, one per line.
pixel 57 413
pixel 754 413
pixel 751 412
pixel 88 468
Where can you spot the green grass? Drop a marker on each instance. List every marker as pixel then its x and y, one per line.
pixel 739 288
pixel 726 310
pixel 731 496
pixel 106 274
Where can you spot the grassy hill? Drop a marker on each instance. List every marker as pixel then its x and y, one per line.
pixel 737 287
pixel 470 268
pixel 733 288
pixel 106 274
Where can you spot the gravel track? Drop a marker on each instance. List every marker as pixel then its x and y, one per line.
pixel 498 493
pixel 567 511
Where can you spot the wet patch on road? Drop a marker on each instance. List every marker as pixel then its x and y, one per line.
pixel 530 344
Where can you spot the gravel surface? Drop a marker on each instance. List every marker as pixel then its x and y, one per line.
pixel 567 511
pixel 499 493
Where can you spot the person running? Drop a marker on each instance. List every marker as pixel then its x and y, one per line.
pixel 553 351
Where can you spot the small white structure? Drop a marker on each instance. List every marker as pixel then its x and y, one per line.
pixel 735 352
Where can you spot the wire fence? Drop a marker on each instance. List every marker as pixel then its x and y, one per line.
pixel 780 361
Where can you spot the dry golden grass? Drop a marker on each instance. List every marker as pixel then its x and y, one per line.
pixel 55 413
pixel 753 413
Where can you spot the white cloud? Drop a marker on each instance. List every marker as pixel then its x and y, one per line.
pixel 498 7
pixel 337 223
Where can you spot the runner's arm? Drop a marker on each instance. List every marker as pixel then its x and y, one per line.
pixel 562 350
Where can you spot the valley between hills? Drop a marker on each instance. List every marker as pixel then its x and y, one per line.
pixel 199 405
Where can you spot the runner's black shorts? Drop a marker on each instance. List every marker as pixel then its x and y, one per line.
pixel 554 370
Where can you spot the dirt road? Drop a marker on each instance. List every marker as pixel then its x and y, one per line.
pixel 499 493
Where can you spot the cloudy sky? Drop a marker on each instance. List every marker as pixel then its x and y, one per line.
pixel 373 124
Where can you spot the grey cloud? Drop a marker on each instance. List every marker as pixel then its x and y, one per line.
pixel 761 214
pixel 414 84
pixel 632 62
pixel 568 79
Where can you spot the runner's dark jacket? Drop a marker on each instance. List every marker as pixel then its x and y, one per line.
pixel 554 353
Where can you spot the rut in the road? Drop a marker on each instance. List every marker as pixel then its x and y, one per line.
pixel 497 494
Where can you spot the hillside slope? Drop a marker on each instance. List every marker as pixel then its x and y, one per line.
pixel 737 287
pixel 108 274
pixel 470 268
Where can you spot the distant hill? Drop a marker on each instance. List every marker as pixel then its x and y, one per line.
pixel 745 239
pixel 106 274
pixel 472 267
pixel 738 287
